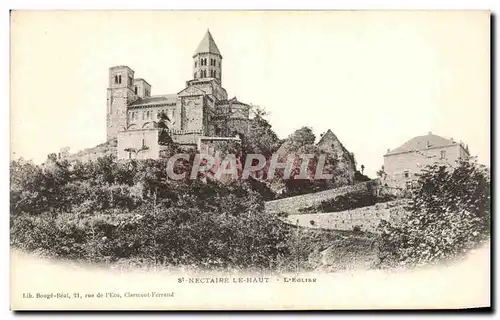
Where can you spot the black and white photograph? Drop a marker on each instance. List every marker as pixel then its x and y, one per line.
pixel 250 160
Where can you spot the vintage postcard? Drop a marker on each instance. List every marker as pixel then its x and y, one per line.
pixel 250 160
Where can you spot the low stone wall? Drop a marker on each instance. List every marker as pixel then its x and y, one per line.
pixel 293 205
pixel 366 218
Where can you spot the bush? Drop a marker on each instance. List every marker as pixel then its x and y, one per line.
pixel 449 214
pixel 107 211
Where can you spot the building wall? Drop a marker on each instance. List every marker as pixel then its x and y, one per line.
pixel 119 95
pixel 136 139
pixel 192 115
pixel 143 88
pixel 140 118
pixel 116 118
pixel 346 166
pixel 396 165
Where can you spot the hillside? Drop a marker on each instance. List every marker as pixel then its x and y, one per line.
pixel 88 154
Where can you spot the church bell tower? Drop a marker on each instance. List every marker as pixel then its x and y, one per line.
pixel 207 60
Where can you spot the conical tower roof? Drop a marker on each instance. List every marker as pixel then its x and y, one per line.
pixel 207 45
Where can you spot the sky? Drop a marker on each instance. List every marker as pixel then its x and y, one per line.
pixel 376 79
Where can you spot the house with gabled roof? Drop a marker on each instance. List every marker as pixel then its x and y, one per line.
pixel 403 164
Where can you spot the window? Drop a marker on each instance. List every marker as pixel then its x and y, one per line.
pixel 194 75
pixel 195 64
pixel 116 79
pixel 144 115
pixel 135 89
pixel 120 78
pixel 215 74
pixel 443 154
pixel 211 73
pixel 407 174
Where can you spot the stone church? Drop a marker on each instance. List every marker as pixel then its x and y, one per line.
pixel 195 117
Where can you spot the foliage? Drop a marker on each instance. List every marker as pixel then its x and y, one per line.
pixel 104 211
pixel 360 177
pixel 449 213
pixel 260 138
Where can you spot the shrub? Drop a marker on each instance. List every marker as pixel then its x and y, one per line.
pixel 135 213
pixel 356 228
pixel 449 213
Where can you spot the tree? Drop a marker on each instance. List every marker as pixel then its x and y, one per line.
pixel 381 173
pixel 449 213
pixel 362 169
pixel 301 138
pixel 164 137
pixel 260 138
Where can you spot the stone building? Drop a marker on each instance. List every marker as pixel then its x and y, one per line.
pixel 346 166
pixel 194 114
pixel 403 164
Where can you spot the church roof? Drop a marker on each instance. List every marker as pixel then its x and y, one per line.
pixel 231 101
pixel 153 100
pixel 422 142
pixel 207 45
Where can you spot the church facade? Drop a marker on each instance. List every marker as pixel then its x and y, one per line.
pixel 195 115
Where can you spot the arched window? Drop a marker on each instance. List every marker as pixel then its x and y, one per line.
pixel 116 79
pixel 135 89
pixel 211 73
pixel 215 74
pixel 120 78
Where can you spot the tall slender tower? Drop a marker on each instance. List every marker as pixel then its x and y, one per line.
pixel 120 94
pixel 207 60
